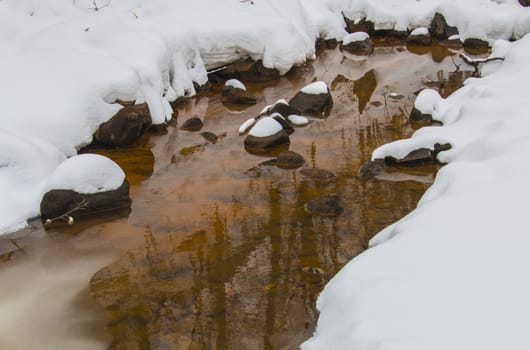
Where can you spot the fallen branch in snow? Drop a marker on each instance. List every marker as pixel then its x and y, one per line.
pixel 16 245
pixel 96 7
pixel 66 216
pixel 476 62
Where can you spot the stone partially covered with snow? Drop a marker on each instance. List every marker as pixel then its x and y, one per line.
pixel 266 135
pixel 246 125
pixel 358 43
pixel 297 120
pixel 125 127
pixel 85 185
pixel 440 29
pixel 425 105
pixel 235 92
pixel 314 99
pixel 419 36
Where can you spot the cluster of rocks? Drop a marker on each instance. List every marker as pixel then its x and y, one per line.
pixel 439 29
pixel 270 130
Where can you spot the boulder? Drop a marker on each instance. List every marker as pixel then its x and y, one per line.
pixel 314 99
pixel 266 135
pixel 419 37
pixel 236 93
pixel 192 124
pixel 328 205
pixel 124 128
pixel 358 43
pixel 372 168
pixel 289 160
pixel 440 29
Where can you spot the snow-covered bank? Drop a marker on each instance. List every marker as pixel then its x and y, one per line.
pixel 453 273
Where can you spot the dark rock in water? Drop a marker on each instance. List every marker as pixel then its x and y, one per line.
pixel 363 47
pixel 451 43
pixel 419 40
pixel 319 175
pixel 125 127
pixel 317 105
pixel 158 129
pixel 372 168
pixel 285 124
pixel 329 205
pixel 258 145
pixel 289 160
pixel 441 147
pixel 192 124
pixel 200 89
pixel 56 203
pixel 269 162
pixel 254 172
pixel 417 116
pixel 525 3
pixel 440 29
pixel 362 26
pixel 285 110
pixel 247 70
pixel 474 43
pixel 238 96
pixel 210 137
pixel 416 157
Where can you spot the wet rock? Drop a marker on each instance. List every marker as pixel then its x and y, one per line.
pixel 525 3
pixel 254 172
pixel 285 125
pixel 158 129
pixel 372 168
pixel 417 116
pixel 269 162
pixel 358 43
pixel 417 157
pixel 319 175
pixel 452 42
pixel 329 205
pixel 419 37
pixel 477 44
pixel 192 124
pixel 56 203
pixel 210 137
pixel 440 147
pixel 440 29
pixel 313 100
pixel 362 26
pixel 265 144
pixel 284 110
pixel 230 94
pixel 125 127
pixel 247 70
pixel 201 88
pixel 289 160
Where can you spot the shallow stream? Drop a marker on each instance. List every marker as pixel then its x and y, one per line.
pixel 214 255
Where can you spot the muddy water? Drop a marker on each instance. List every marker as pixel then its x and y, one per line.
pixel 218 251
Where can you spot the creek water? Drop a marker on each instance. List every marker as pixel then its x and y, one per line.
pixel 217 251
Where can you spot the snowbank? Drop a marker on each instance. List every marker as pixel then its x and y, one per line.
pixel 453 273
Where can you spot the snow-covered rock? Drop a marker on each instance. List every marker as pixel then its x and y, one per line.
pixel 425 105
pixel 235 84
pixel 266 126
pixel 298 120
pixel 358 43
pixel 314 99
pixel 354 37
pixel 267 134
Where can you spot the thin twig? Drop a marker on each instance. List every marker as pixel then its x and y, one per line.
pixel 477 61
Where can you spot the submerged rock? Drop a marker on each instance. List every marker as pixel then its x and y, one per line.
pixel 235 92
pixel 358 43
pixel 372 168
pixel 440 29
pixel 289 160
pixel 318 175
pixel 125 127
pixel 329 205
pixel 475 43
pixel 314 99
pixel 210 137
pixel 420 37
pixel 192 124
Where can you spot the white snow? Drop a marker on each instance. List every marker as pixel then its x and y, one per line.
pixel 235 84
pixel 247 125
pixel 420 31
pixel 454 37
pixel 266 126
pixel 427 100
pixel 316 88
pixel 298 120
pixel 86 173
pixel 354 37
pixel 453 273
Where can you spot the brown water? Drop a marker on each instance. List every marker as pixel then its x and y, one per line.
pixel 214 255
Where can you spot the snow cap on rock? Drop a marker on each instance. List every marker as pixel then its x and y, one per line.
pixel 247 125
pixel 87 173
pixel 298 120
pixel 353 37
pixel 235 84
pixel 265 127
pixel 420 31
pixel 426 101
pixel 316 88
